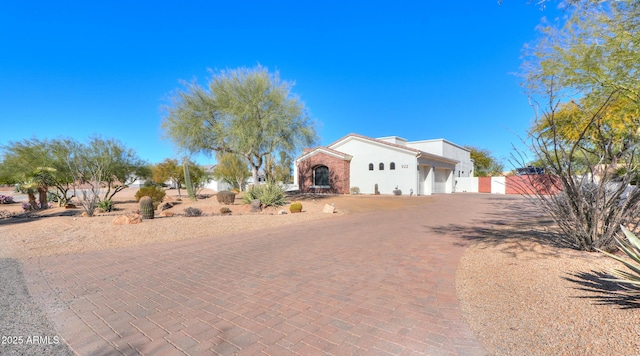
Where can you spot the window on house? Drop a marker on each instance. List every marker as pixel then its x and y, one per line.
pixel 392 165
pixel 370 166
pixel 381 166
pixel 321 176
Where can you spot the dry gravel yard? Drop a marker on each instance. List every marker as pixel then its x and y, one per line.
pixel 522 292
pixel 62 231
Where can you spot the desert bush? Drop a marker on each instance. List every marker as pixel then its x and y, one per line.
pixel 155 193
pixel 225 210
pixel 629 280
pixel 192 212
pixel 269 194
pixel 106 205
pixel 28 207
pixel 6 199
pixel 150 183
pixel 226 197
pixel 585 131
pixel 295 207
pixel 355 190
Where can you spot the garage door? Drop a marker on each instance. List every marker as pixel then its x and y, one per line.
pixel 441 176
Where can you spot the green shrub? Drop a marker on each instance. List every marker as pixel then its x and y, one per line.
pixel 630 281
pixel 226 197
pixel 270 194
pixel 156 194
pixel 106 205
pixel 192 212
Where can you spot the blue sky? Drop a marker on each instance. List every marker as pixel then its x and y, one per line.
pixel 415 69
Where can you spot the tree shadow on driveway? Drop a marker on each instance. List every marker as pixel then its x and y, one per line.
pixel 522 231
pixel 511 224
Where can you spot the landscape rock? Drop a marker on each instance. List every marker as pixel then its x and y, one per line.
pixel 70 206
pixel 167 214
pixel 127 219
pixel 167 205
pixel 84 214
pixel 256 206
pixel 282 212
pixel 329 209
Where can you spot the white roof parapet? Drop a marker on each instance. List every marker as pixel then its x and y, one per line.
pixel 437 157
pixel 393 139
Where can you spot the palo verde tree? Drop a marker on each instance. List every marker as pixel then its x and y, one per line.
pixel 231 169
pixel 168 170
pixel 583 80
pixel 120 166
pixel 484 163
pixel 278 169
pixel 171 170
pixel 88 172
pixel 248 112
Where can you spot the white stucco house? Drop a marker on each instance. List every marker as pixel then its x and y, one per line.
pixel 419 167
pixel 212 183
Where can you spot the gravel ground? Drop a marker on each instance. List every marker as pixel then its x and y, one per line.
pixel 524 291
pixel 24 328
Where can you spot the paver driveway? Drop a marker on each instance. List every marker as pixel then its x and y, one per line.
pixel 373 283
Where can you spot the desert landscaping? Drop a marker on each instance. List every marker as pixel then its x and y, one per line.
pixel 520 291
pixel 62 231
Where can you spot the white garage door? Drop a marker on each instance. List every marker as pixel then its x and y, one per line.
pixel 441 176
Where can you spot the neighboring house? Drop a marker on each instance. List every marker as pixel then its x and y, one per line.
pixel 212 183
pixel 419 167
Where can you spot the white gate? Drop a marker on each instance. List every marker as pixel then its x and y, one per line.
pixel 440 184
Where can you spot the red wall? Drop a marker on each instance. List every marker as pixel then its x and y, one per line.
pixel 484 184
pixel 530 184
pixel 339 175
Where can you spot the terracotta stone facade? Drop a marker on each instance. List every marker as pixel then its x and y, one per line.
pixel 338 174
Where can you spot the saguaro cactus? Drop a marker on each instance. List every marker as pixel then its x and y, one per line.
pixel 187 181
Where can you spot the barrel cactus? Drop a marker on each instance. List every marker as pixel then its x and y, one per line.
pixel 226 197
pixel 295 207
pixel 146 207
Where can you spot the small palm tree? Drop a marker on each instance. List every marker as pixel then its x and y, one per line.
pixel 38 182
pixel 43 177
pixel 29 187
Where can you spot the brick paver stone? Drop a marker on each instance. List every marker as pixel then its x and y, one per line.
pixel 378 283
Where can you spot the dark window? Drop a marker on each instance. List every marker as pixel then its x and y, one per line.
pixel 392 166
pixel 370 166
pixel 381 166
pixel 321 176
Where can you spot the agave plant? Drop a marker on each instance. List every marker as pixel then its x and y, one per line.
pixel 630 281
